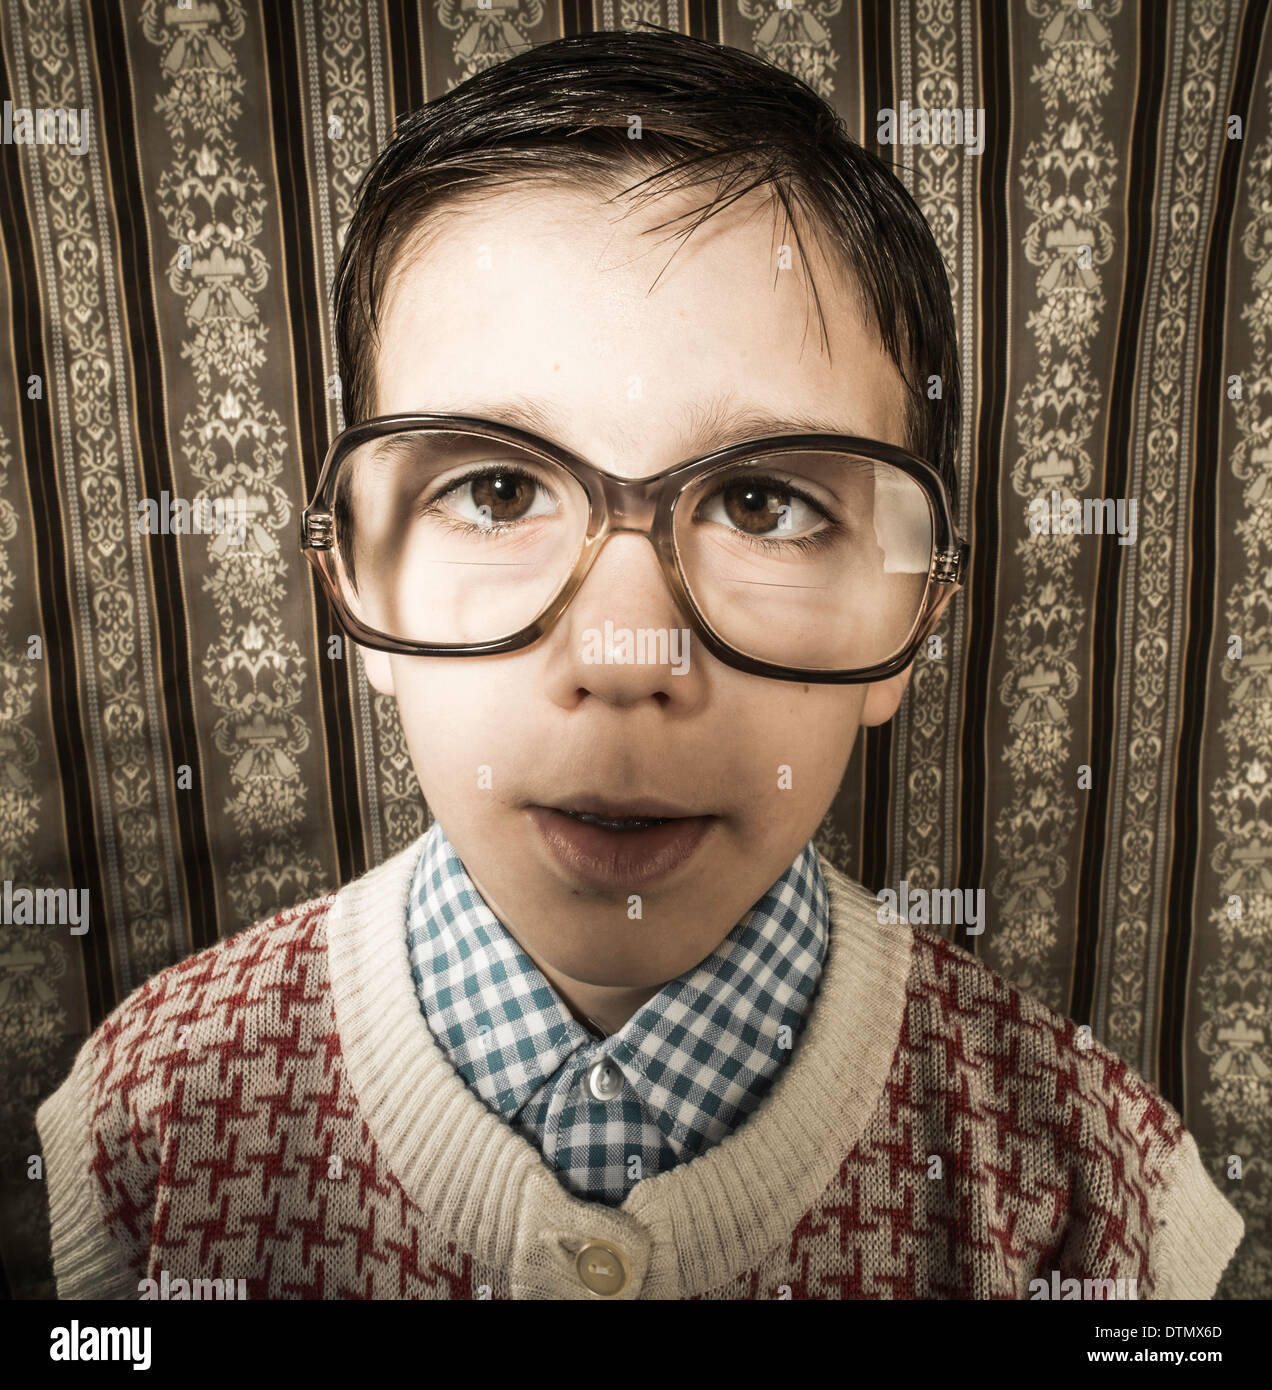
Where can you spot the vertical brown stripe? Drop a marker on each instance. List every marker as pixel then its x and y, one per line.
pixel 1142 192
pixel 876 779
pixel 402 42
pixel 576 17
pixel 143 353
pixel 52 576
pixel 1198 664
pixel 877 90
pixel 702 18
pixel 876 804
pixel 989 397
pixel 283 41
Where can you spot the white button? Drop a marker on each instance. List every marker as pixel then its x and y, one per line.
pixel 603 1268
pixel 602 1080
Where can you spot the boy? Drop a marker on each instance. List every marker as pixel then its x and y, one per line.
pixel 612 1028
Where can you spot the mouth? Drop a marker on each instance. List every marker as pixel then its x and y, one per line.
pixel 587 806
pixel 632 822
pixel 610 846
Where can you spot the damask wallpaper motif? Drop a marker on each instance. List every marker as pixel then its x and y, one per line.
pixel 1091 739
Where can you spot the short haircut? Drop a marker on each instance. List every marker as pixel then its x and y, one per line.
pixel 561 113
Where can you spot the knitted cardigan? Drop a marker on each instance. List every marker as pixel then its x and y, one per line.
pixel 276 1110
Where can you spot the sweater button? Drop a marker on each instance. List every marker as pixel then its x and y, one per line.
pixel 603 1080
pixel 603 1268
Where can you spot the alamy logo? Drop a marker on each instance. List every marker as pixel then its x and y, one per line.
pixel 51 907
pixel 205 516
pixel 180 1289
pixel 46 125
pixel 1067 1289
pixel 647 646
pixel 76 1343
pixel 1087 516
pixel 923 907
pixel 925 125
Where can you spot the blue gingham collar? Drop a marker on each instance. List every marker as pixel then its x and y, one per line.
pixel 506 1030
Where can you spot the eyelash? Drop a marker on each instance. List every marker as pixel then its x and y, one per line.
pixel 817 541
pixel 470 528
pixel 829 533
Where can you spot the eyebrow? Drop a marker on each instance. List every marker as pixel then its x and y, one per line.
pixel 705 426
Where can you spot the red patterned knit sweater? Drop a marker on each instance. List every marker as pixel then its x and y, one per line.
pixel 276 1110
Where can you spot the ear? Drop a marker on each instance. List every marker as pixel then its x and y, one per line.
pixel 883 697
pixel 379 669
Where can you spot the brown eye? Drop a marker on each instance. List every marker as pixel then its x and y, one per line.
pixel 493 498
pixel 754 507
pixel 507 495
pixel 764 508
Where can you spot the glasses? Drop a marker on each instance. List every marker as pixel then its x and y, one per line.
pixel 811 557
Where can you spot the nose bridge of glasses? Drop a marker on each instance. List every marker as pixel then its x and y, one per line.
pixel 631 504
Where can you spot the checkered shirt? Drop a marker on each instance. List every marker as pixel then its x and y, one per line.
pixel 683 1072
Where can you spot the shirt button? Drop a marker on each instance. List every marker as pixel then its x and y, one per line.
pixel 602 1268
pixel 602 1080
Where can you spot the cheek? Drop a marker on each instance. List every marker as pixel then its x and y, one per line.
pixel 437 722
pixel 808 728
pixel 457 721
pixel 825 721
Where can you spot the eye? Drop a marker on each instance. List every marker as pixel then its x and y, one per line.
pixel 493 495
pixel 761 506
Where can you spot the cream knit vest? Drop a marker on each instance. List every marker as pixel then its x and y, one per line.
pixel 275 1109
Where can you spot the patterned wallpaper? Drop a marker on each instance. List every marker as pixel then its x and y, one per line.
pixel 1091 740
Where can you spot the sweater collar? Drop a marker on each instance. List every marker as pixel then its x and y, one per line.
pixel 699 1055
pixel 685 1231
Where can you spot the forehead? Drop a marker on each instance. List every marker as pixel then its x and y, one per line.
pixel 637 348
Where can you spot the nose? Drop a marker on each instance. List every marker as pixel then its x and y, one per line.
pixel 624 639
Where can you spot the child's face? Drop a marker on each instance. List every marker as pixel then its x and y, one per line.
pixel 547 296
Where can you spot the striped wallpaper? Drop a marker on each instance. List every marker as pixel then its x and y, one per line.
pixel 1092 745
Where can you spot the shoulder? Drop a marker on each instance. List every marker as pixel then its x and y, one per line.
pixel 103 1131
pixel 184 1018
pixel 1033 1080
pixel 212 992
pixel 1015 1040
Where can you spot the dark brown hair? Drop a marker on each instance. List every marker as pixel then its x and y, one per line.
pixel 561 111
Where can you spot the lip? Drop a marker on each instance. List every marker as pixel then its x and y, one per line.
pixel 611 860
pixel 647 808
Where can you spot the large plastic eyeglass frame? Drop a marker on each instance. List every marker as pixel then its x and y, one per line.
pixel 645 506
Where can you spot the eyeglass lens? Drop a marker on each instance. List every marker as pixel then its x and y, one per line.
pixel 815 560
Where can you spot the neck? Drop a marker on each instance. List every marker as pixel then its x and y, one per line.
pixel 602 1009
